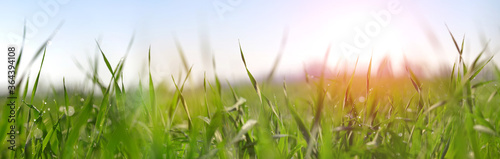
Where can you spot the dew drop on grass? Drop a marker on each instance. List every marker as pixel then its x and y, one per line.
pixel 48 109
pixel 38 133
pixel 362 99
pixel 400 134
pixel 108 122
pixel 82 100
pixel 34 119
pixel 71 110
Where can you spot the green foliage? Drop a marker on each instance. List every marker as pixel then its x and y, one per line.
pixel 325 117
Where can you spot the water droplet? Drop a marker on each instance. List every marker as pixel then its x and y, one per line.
pixel 38 133
pixel 362 99
pixel 71 111
pixel 45 103
pixel 44 111
pixel 48 109
pixel 82 100
pixel 400 134
pixel 34 119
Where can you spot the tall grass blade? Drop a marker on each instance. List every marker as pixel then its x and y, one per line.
pixel 37 78
pixel 108 65
pixel 181 54
pixel 300 123
pixel 252 79
pixel 184 104
pixel 278 58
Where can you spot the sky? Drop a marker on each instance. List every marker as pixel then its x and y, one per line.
pixel 212 28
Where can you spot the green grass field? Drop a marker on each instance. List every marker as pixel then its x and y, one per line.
pixel 348 115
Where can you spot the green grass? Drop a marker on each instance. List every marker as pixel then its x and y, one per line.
pixel 342 116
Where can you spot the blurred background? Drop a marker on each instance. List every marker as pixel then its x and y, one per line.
pixel 303 30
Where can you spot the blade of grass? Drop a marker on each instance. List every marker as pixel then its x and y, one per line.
pixel 181 54
pixel 252 79
pixel 184 104
pixel 278 58
pixel 105 59
pixel 244 129
pixel 456 44
pixel 300 123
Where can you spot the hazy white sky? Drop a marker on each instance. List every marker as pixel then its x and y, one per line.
pixel 212 28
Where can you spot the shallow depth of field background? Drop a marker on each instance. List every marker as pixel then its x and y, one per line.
pixel 253 79
pixel 207 29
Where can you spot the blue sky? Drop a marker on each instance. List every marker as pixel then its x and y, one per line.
pixel 258 24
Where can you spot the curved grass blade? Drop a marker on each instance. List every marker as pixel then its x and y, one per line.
pixel 37 77
pixel 472 76
pixel 184 104
pixel 181 54
pixel 252 79
pixel 300 123
pixel 244 129
pixel 278 58
pixel 108 65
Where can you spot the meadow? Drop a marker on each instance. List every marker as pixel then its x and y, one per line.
pixel 339 115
